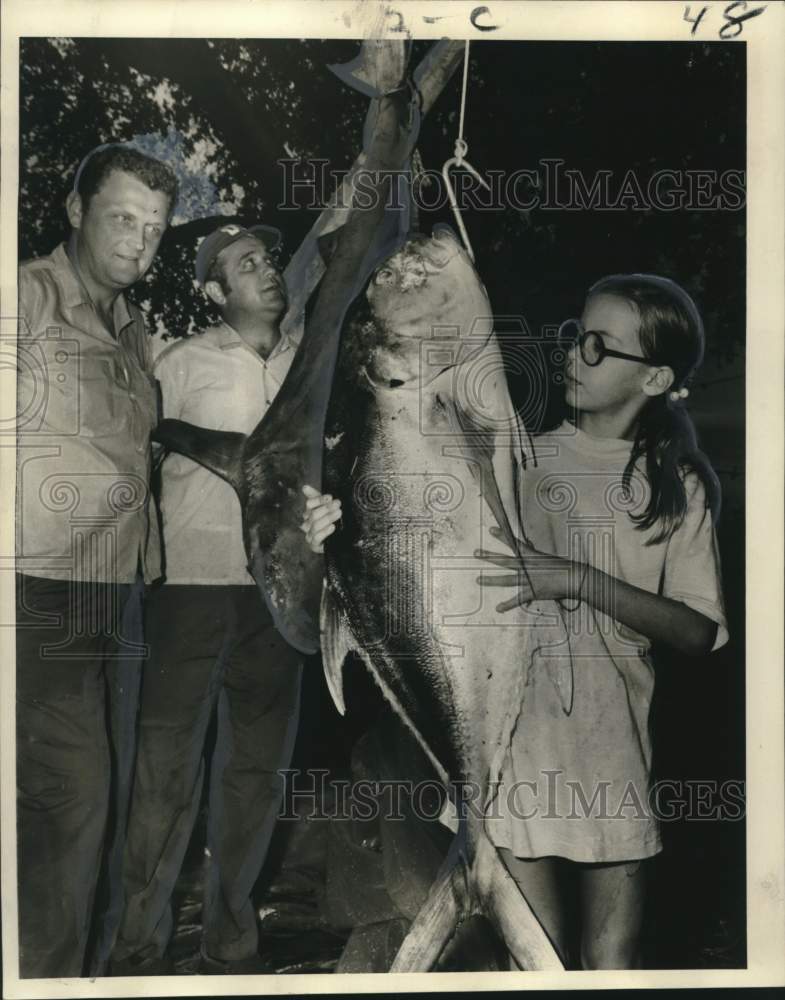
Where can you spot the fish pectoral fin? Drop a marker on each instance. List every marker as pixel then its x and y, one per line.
pixel 219 451
pixel 479 451
pixel 494 458
pixel 337 642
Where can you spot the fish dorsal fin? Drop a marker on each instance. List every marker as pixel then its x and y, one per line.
pixel 219 451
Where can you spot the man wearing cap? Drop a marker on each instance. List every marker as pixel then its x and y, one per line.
pixel 86 534
pixel 215 651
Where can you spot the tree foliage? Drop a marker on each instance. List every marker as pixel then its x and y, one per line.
pixel 226 112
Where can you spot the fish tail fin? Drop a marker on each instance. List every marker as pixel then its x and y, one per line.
pixel 519 928
pixel 219 451
pixel 436 922
pixel 379 69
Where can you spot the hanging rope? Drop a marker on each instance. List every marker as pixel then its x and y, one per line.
pixel 463 101
pixel 458 160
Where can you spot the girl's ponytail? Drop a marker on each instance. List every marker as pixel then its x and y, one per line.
pixel 671 333
pixel 667 442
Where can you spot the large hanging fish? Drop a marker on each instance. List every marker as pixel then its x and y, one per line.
pixel 422 444
pixel 423 447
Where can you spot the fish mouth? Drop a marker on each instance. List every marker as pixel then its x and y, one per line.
pixel 443 233
pixel 442 246
pixel 446 240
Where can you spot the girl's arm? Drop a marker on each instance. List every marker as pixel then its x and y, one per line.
pixel 544 577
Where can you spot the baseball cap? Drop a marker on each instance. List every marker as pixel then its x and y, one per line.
pixel 223 237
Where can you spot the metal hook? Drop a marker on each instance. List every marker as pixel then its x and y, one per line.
pixel 461 149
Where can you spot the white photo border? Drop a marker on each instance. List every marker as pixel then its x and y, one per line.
pixel 616 20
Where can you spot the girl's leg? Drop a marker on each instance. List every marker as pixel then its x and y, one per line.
pixel 612 899
pixel 538 880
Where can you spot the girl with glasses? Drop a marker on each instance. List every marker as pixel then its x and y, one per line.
pixel 619 510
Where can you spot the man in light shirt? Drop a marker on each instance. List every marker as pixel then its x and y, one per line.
pixel 214 647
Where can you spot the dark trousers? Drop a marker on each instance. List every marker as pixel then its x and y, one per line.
pixel 77 681
pixel 212 650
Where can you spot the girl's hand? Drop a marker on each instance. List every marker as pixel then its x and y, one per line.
pixel 536 575
pixel 321 513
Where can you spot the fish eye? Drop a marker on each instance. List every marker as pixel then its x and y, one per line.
pixel 385 276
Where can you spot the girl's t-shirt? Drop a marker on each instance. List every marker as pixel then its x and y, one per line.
pixel 575 782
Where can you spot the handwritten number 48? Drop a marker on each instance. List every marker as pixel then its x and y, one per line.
pixel 734 24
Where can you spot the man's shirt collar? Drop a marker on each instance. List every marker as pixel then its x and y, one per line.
pixel 75 294
pixel 230 339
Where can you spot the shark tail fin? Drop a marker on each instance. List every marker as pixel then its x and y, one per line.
pixel 379 69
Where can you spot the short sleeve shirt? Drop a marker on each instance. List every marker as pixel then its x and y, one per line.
pixel 576 782
pixel 86 405
pixel 214 380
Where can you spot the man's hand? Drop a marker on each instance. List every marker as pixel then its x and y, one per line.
pixel 321 513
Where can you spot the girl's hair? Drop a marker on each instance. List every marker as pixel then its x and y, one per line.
pixel 671 333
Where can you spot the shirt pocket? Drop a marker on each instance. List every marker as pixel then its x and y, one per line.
pixel 98 403
pixel 116 398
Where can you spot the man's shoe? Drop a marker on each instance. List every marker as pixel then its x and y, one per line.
pixel 137 965
pixel 253 965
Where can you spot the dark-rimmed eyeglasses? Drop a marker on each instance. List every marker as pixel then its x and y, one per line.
pixel 591 345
